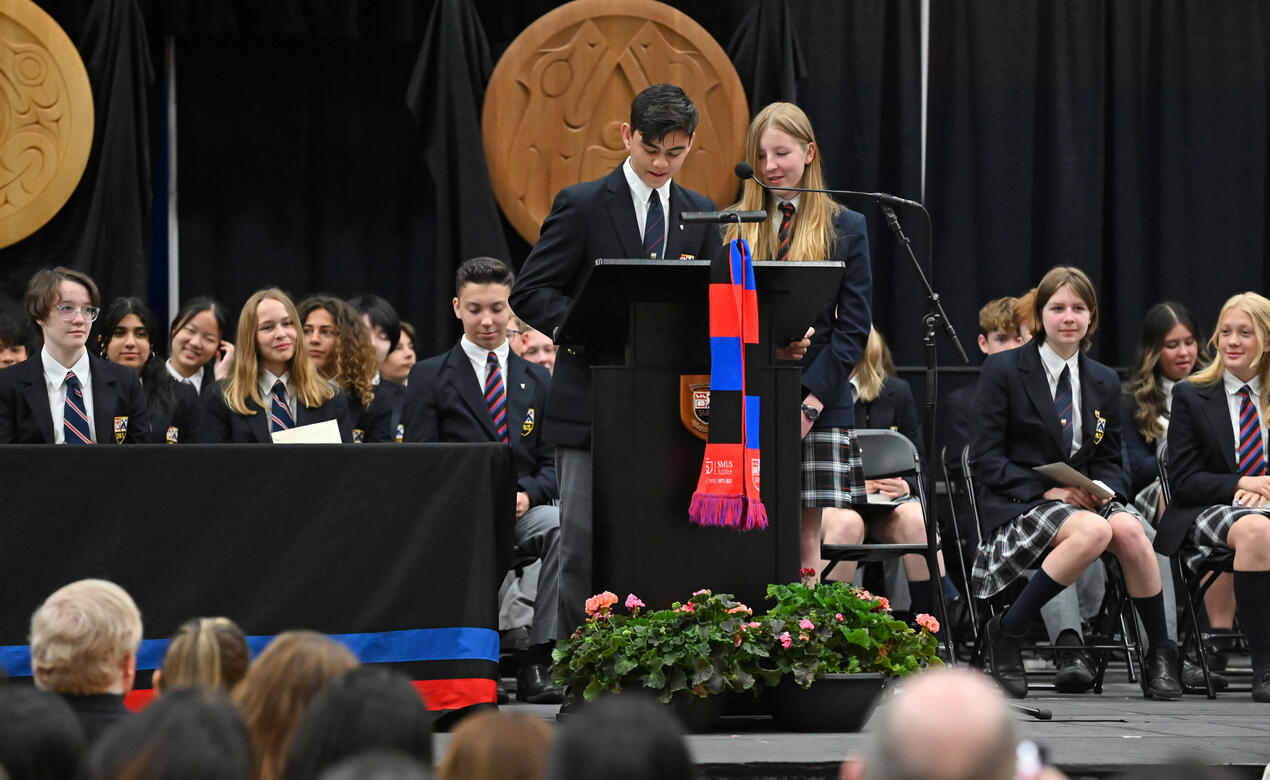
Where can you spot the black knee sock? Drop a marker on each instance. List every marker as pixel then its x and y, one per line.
pixel 539 655
pixel 1252 599
pixel 1040 589
pixel 919 596
pixel 1151 611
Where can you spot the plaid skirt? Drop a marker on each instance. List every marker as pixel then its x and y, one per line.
pixel 1147 502
pixel 833 471
pixel 1013 548
pixel 1208 535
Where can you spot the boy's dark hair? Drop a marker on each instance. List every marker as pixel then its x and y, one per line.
pixel 13 333
pixel 662 109
pixel 42 293
pixel 39 734
pixel 381 315
pixel 483 270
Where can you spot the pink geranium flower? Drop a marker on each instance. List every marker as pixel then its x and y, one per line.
pixel 928 622
pixel 704 591
pixel 838 617
pixel 633 602
pixel 786 640
pixel 601 602
pixel 806 624
pixel 753 624
pixel 739 608
pixel 689 607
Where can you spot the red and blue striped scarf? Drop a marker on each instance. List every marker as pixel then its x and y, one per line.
pixel 727 494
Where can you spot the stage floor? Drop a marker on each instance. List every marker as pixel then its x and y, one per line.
pixel 1089 736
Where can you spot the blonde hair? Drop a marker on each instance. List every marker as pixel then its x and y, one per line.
pixel 872 369
pixel 498 746
pixel 999 314
pixel 1257 308
pixel 82 635
pixel 279 687
pixel 208 652
pixel 243 384
pixel 813 236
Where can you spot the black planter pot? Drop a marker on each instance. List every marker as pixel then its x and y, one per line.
pixel 834 702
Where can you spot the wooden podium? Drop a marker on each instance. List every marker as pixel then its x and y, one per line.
pixel 647 323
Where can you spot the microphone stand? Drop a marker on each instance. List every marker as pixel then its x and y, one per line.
pixel 933 320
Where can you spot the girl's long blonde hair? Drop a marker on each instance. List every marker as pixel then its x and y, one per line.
pixel 243 383
pixel 1258 308
pixel 813 236
pixel 874 367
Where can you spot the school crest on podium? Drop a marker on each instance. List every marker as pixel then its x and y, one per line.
pixel 694 403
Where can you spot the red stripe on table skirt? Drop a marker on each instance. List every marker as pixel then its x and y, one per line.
pixel 436 694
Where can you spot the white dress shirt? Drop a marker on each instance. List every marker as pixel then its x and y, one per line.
pixel 479 358
pixel 640 192
pixel 55 384
pixel 195 381
pixel 265 384
pixel 1232 384
pixel 1053 369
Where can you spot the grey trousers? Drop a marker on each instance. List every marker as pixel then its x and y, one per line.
pixel 537 533
pixel 573 473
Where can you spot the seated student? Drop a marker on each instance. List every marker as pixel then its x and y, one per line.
pixel 1046 402
pixel 498 746
pixel 84 641
pixel 537 347
pixel 396 367
pixel 13 341
pixel 209 652
pixel 1217 468
pixel 65 394
pixel 383 326
pixel 40 737
pixel 126 331
pixel 998 331
pixel 201 350
pixel 480 392
pixel 270 364
pixel 884 402
pixel 339 347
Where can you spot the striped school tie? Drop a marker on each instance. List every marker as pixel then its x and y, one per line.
pixel 1252 458
pixel 787 221
pixel 1063 403
pixel 654 227
pixel 280 418
pixel 496 397
pixel 76 427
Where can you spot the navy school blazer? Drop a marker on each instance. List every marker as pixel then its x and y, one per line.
pixel 222 426
pixel 1014 426
pixel 180 423
pixel 893 409
pixel 589 221
pixel 25 417
pixel 444 401
pixel 1202 468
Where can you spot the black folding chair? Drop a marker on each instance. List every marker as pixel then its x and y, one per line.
pixel 954 483
pixel 1113 629
pixel 1195 585
pixel 886 453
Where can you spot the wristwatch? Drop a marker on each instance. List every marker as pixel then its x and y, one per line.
pixel 810 412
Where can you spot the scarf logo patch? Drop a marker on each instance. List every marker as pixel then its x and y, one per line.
pixel 694 404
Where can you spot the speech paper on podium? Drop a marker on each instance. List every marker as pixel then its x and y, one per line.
pixel 325 432
pixel 1064 474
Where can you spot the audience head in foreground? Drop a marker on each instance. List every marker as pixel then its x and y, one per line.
pixel 642 739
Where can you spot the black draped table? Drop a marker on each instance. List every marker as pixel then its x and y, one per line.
pixel 395 549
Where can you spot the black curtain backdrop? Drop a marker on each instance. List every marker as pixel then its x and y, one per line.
pixel 1127 138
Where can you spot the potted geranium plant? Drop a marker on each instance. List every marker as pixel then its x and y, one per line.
pixel 843 637
pixel 695 650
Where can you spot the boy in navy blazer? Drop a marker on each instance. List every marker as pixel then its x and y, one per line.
pixel 63 394
pixel 480 391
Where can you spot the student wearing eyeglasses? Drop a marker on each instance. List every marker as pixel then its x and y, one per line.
pixel 64 394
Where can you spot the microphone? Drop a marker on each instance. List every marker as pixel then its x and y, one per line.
pixel 744 170
pixel 720 217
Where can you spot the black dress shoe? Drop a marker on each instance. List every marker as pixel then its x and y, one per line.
pixel 1261 687
pixel 536 685
pixel 1193 678
pixel 572 704
pixel 1075 672
pixel 1005 659
pixel 1161 674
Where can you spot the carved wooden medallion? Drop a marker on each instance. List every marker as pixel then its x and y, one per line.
pixel 559 95
pixel 46 119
